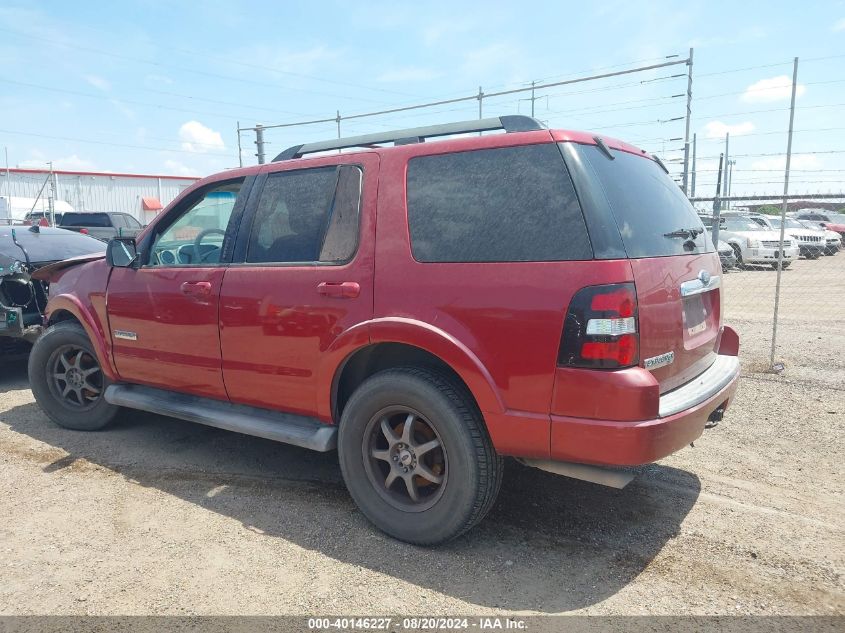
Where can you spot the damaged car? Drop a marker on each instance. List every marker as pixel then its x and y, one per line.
pixel 23 250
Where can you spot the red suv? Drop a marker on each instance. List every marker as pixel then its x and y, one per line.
pixel 425 308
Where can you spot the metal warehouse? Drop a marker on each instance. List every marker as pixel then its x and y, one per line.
pixel 141 195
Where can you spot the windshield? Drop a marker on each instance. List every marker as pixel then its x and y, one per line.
pixel 742 224
pixel 653 215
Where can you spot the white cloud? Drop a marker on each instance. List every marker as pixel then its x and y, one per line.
pixel 153 80
pixel 840 25
pixel 409 73
pixel 125 110
pixel 175 168
pixel 435 33
pixel 198 138
pixel 98 82
pixel 773 89
pixel 70 163
pixel 495 57
pixel 798 161
pixel 717 129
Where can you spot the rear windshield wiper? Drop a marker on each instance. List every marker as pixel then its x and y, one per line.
pixel 689 234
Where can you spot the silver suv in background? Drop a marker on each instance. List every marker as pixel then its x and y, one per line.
pixel 811 242
pixel 754 244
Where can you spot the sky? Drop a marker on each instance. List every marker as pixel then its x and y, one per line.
pixel 143 86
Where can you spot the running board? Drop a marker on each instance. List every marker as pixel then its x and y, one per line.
pixel 603 475
pixel 272 425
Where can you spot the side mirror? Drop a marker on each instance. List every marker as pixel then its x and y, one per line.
pixel 121 252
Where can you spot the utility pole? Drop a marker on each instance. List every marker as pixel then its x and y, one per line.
pixel 480 99
pixel 717 205
pixel 692 176
pixel 727 145
pixel 240 152
pixel 689 116
pixel 51 200
pixel 783 213
pixel 532 99
pixel 259 143
pixel 8 187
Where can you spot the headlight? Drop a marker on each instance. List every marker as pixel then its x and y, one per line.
pixel 752 243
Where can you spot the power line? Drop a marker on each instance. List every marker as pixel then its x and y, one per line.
pixel 183 69
pixel 142 147
pixel 77 93
pixel 479 96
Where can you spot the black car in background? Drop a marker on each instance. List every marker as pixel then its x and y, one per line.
pixel 103 225
pixel 23 250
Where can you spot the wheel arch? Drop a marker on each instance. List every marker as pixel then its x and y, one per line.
pixel 66 307
pixel 395 342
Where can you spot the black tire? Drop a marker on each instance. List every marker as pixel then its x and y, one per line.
pixel 470 470
pixel 83 408
pixel 738 254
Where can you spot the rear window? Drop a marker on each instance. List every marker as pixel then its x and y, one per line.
pixel 86 219
pixel 645 202
pixel 508 204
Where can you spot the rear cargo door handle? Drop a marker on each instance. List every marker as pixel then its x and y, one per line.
pixel 339 289
pixel 196 288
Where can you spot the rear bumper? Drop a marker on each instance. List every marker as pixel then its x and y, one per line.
pixel 683 414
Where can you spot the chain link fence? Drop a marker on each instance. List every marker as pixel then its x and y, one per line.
pixel 810 294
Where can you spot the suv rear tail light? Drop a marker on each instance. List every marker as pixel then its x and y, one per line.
pixel 600 330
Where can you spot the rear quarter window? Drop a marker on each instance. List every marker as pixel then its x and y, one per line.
pixel 508 204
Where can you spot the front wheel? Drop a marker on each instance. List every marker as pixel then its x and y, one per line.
pixel 66 379
pixel 416 457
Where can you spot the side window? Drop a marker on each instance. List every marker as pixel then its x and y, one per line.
pixel 307 215
pixel 117 221
pixel 508 204
pixel 131 222
pixel 196 234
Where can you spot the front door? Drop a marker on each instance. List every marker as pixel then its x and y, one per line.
pixel 302 275
pixel 163 315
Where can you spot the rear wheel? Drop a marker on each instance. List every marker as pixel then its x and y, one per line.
pixel 738 253
pixel 66 379
pixel 416 457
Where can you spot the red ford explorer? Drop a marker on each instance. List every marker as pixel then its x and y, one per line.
pixel 425 308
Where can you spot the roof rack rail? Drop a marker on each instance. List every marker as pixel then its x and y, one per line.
pixel 510 123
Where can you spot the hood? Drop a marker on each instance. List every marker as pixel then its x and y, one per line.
pixel 768 236
pixel 47 244
pixel 802 233
pixel 46 273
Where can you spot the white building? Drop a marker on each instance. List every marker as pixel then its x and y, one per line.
pixel 139 194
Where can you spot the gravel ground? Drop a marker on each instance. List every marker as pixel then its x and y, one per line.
pixel 159 516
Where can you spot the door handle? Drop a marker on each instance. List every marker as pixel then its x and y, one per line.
pixel 339 289
pixel 196 288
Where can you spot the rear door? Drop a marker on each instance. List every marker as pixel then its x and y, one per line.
pixel 302 275
pixel 677 275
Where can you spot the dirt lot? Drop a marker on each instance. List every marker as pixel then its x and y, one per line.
pixel 162 516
